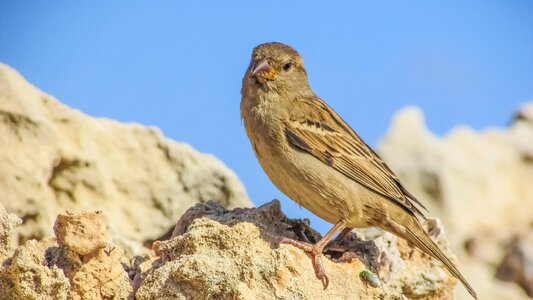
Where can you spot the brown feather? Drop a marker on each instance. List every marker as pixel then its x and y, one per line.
pixel 323 134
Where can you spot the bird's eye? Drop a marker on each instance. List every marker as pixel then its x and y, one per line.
pixel 287 66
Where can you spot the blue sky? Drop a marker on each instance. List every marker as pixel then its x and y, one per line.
pixel 178 66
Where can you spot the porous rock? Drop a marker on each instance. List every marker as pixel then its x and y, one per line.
pixel 8 223
pixel 221 254
pixel 56 158
pixel 49 269
pixel 217 253
pixel 26 274
pixel 82 233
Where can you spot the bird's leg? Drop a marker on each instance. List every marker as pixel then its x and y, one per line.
pixel 316 250
pixel 334 245
pixel 344 233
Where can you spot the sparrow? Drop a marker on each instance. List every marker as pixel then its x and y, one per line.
pixel 313 156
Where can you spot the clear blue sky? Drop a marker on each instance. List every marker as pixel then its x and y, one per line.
pixel 179 66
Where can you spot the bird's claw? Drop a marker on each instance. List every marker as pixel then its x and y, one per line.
pixel 316 255
pixel 319 269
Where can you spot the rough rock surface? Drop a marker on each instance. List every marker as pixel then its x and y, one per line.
pixel 478 183
pixel 517 265
pixel 26 275
pixel 92 266
pixel 54 269
pixel 83 233
pixel 60 159
pixel 237 255
pixel 8 223
pixel 220 254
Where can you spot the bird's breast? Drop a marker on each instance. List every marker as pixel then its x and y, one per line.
pixel 299 175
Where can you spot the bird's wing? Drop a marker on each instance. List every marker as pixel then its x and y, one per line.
pixel 316 129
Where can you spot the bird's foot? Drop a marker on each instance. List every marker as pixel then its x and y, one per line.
pixel 315 251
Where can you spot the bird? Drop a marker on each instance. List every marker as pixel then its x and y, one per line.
pixel 316 159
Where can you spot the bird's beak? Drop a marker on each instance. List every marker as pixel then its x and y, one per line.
pixel 262 70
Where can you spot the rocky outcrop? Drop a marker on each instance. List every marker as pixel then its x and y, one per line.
pixel 237 255
pixel 55 158
pixel 478 183
pixel 216 253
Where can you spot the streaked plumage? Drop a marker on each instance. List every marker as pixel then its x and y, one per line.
pixel 317 160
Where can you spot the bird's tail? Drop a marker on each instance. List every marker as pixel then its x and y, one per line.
pixel 418 236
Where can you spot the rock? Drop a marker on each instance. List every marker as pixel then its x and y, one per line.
pixel 92 266
pixel 478 183
pixel 27 276
pixel 236 254
pixel 60 159
pixel 82 233
pixel 8 223
pixel 525 113
pixel 98 275
pixel 217 253
pixel 517 264
pixel 56 269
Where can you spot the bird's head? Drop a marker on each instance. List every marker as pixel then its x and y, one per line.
pixel 275 65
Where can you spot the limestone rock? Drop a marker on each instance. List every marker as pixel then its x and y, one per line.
pixel 55 158
pixel 47 269
pixel 92 266
pixel 220 254
pixel 98 275
pixel 83 233
pixel 8 222
pixel 27 276
pixel 217 253
pixel 517 265
pixel 478 183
